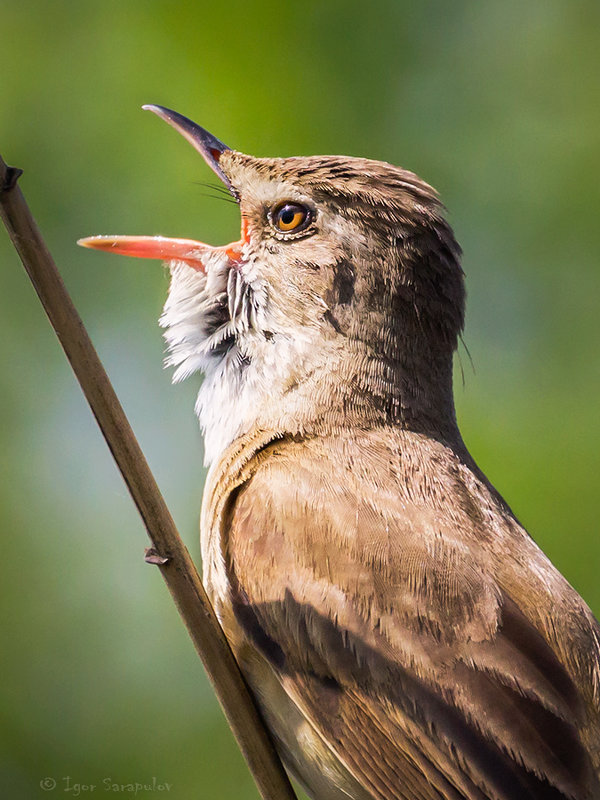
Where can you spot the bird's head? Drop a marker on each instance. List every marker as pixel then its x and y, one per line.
pixel 343 298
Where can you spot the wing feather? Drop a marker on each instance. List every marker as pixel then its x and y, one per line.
pixel 393 628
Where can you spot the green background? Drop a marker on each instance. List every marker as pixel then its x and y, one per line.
pixel 496 104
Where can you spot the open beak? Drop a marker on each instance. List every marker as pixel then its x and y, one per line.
pixel 161 247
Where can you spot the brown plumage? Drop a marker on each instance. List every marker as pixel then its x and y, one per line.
pixel 404 636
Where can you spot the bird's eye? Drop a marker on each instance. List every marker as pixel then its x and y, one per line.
pixel 290 217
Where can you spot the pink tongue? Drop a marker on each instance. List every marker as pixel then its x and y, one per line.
pixel 160 247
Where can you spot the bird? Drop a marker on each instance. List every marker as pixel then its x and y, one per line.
pixel 403 635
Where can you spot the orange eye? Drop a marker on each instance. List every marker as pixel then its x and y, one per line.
pixel 290 217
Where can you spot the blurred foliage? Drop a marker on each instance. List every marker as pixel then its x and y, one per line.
pixel 494 103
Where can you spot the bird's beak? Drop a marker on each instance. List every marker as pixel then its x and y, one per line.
pixel 161 247
pixel 209 147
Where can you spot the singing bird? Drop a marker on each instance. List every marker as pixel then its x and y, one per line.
pixel 403 635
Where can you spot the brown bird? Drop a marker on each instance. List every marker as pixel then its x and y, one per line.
pixel 404 636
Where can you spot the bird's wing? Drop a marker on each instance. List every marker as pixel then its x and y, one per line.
pixel 390 631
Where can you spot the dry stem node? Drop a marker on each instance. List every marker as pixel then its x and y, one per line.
pixel 152 557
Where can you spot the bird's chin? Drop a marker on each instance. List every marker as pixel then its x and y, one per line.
pixel 210 304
